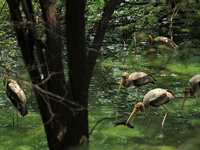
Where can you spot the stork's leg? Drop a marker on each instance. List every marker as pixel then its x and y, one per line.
pixel 142 91
pixel 13 115
pixel 137 95
pixel 197 105
pixel 167 61
pixel 17 116
pixel 139 89
pixel 164 117
pixel 149 120
pixel 162 60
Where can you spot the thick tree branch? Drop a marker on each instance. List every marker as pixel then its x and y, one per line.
pixel 78 83
pixel 103 24
pixel 27 6
pixel 27 48
pixel 54 46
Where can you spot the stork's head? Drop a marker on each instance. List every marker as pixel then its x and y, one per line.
pixel 186 92
pixel 22 108
pixel 125 76
pixel 138 106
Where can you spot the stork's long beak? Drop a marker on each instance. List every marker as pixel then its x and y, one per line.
pixel 184 98
pixel 134 113
pixel 122 82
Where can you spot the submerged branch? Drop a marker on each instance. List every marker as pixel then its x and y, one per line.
pixel 101 121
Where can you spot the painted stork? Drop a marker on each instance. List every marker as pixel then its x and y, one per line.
pixel 195 85
pixel 16 96
pixel 169 43
pixel 163 40
pixel 137 79
pixel 155 97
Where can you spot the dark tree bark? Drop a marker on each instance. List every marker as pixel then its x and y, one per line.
pixel 26 43
pixel 63 107
pixel 78 69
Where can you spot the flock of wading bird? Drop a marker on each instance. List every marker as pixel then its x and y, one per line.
pixel 156 97
pixel 18 98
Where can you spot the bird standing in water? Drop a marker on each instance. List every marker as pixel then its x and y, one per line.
pixel 195 85
pixel 155 97
pixel 137 79
pixel 163 43
pixel 16 96
pixel 163 40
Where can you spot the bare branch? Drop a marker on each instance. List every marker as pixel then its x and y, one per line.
pixel 50 110
pixel 92 49
pixel 49 76
pixel 101 121
pixel 171 20
pixel 60 97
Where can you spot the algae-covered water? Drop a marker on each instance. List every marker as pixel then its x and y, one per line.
pixel 181 129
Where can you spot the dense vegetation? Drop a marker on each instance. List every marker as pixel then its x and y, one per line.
pixel 131 19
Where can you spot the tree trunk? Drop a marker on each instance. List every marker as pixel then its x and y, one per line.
pixel 78 83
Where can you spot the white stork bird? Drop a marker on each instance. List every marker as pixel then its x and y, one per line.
pixel 16 96
pixel 137 79
pixel 195 85
pixel 155 97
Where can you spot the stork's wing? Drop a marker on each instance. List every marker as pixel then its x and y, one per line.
pixel 167 41
pixel 156 97
pixel 15 91
pixel 136 75
pixel 154 94
pixel 195 80
pixel 12 99
pixel 162 99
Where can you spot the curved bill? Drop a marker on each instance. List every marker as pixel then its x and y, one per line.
pixel 122 82
pixel 184 98
pixel 134 113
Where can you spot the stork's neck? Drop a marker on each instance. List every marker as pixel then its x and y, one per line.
pixel 140 106
pixel 146 105
pixel 151 38
pixel 125 75
pixel 126 83
pixel 192 91
pixel 189 90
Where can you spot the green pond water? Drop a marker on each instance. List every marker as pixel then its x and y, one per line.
pixel 181 129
